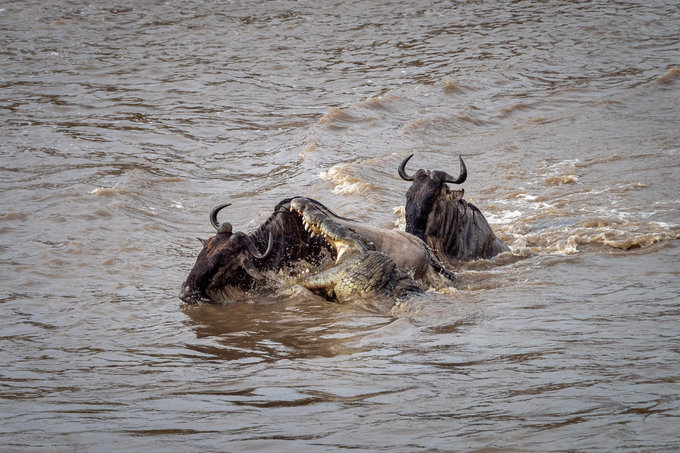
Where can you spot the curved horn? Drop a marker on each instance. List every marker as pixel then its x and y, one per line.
pixel 461 177
pixel 402 169
pixel 252 249
pixel 213 215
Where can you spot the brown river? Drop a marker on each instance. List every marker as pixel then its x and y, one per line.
pixel 123 123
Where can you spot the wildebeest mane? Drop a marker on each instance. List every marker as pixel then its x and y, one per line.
pixel 472 237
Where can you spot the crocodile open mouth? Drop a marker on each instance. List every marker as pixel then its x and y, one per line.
pixel 317 223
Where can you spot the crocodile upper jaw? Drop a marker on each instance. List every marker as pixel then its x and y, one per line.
pixel 314 225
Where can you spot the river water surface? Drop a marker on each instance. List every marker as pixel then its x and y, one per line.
pixel 123 123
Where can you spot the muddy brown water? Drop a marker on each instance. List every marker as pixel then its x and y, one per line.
pixel 123 123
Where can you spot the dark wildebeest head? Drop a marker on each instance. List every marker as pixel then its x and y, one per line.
pixel 455 229
pixel 428 187
pixel 232 262
pixel 226 259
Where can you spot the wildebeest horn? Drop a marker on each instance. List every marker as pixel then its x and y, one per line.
pixel 448 178
pixel 252 249
pixel 402 169
pixel 461 177
pixel 221 228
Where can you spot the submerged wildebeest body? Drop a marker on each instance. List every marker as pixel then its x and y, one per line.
pixel 453 228
pixel 226 265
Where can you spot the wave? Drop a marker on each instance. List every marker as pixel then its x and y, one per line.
pixel 341 119
pixel 340 175
pixel 587 235
pixel 669 76
pixel 392 122
pixel 562 179
pixel 440 125
pixel 365 112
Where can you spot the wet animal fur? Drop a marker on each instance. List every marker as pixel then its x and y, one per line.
pixel 453 228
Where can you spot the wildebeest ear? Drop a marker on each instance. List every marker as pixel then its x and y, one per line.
pixel 202 241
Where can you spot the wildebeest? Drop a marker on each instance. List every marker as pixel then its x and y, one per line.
pixel 455 229
pixel 232 262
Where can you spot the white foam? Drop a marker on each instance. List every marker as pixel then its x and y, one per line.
pixel 344 182
pixel 104 191
pixel 504 217
pixel 526 196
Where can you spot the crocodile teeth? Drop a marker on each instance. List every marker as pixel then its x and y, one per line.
pixel 312 234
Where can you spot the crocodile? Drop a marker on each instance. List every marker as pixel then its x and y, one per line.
pixel 359 268
pixel 233 264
